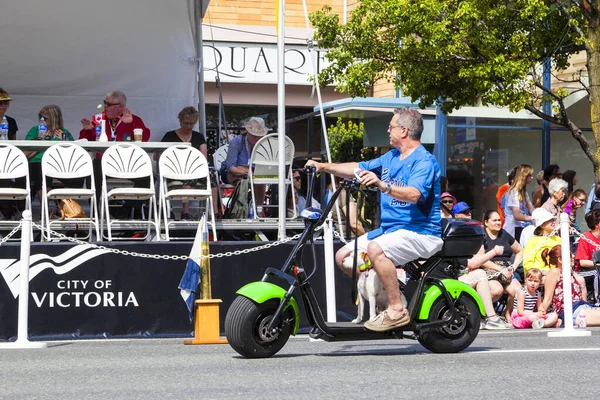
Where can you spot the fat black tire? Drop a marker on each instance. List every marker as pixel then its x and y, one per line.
pixel 456 335
pixel 245 327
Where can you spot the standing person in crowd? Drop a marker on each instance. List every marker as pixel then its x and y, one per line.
pixel 593 201
pixel 5 100
pixel 237 163
pixel 119 120
pixel 577 199
pixel 356 227
pixel 300 193
pixel 408 177
pixel 539 178
pixel 52 115
pixel 570 177
pixel 518 207
pixel 529 301
pixel 543 238
pixel 554 290
pixel 558 192
pixel 447 202
pixel 541 193
pixel 488 197
pixel 500 198
pixel 501 265
pixel 588 244
pixel 188 117
pixel 8 207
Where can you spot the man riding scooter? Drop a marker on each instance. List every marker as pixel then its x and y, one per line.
pixel 408 177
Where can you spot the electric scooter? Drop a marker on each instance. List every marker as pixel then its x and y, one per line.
pixel 445 313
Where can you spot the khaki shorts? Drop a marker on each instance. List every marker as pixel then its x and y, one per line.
pixel 402 246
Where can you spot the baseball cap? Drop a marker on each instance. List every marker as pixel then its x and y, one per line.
pixel 461 207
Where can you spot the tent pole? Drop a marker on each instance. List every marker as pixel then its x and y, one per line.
pixel 200 57
pixel 281 117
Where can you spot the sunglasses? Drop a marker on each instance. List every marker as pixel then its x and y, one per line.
pixel 297 178
pixel 448 201
pixel 4 102
pixel 107 104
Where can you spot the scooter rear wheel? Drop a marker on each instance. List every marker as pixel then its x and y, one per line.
pixel 246 328
pixel 456 335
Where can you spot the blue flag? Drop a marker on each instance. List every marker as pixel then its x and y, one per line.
pixel 191 276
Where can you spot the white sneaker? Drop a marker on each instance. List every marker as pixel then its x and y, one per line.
pixel 537 324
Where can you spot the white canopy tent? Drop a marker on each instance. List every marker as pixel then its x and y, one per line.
pixel 71 53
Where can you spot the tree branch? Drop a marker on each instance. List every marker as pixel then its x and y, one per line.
pixel 553 120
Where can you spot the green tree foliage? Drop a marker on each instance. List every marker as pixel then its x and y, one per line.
pixel 346 141
pixel 459 52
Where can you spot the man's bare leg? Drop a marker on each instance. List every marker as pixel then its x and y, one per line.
pixel 340 256
pixel 387 273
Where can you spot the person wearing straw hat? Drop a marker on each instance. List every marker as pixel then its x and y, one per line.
pixel 237 163
pixel 5 100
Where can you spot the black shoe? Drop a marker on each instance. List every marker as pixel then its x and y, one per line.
pixel 186 217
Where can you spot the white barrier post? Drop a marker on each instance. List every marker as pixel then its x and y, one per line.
pixel 329 272
pixel 568 331
pixel 22 341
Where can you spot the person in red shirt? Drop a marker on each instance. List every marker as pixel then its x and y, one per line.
pixel 502 190
pixel 119 121
pixel 588 244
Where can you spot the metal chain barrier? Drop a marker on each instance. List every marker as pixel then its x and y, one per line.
pixel 173 257
pixel 581 236
pixel 10 234
pixel 339 236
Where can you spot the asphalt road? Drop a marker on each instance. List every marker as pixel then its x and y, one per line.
pixel 498 365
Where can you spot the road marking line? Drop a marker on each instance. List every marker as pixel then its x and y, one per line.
pixel 533 350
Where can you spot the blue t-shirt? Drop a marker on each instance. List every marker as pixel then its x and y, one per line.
pixel 238 153
pixel 419 170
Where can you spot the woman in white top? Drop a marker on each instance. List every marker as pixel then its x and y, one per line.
pixel 518 207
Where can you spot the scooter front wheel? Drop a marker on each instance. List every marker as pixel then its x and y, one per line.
pixel 455 335
pixel 246 328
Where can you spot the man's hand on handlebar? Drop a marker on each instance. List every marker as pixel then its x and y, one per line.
pixel 315 164
pixel 369 178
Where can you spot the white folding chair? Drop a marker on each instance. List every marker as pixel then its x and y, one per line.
pixel 13 165
pixel 265 165
pixel 183 163
pixel 62 161
pixel 128 161
pixel 219 157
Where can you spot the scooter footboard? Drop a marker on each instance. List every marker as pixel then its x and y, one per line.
pixel 455 289
pixel 260 292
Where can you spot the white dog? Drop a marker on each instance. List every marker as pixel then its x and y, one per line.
pixel 369 288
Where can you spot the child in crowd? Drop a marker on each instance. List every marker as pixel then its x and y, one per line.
pixel 528 300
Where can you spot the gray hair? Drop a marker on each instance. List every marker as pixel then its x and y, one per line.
pixel 117 94
pixel 410 118
pixel 556 185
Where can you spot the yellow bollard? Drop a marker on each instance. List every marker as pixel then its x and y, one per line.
pixel 206 314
